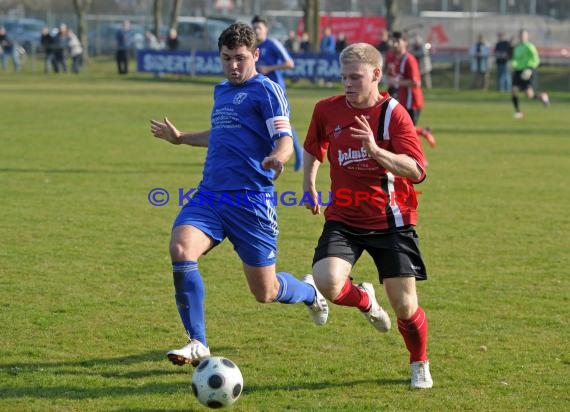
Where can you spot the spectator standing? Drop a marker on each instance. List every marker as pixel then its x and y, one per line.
pixel 421 51
pixel 123 41
pixel 479 53
pixel 151 42
pixel 46 41
pixel 328 42
pixel 59 49
pixel 8 48
pixel 503 53
pixel 341 42
pixel 384 45
pixel 75 51
pixel 525 62
pixel 172 41
pixel 292 43
pixel 305 45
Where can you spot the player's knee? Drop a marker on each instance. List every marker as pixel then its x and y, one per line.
pixel 405 309
pixel 177 251
pixel 326 286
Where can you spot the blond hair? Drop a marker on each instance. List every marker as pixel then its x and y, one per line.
pixel 361 53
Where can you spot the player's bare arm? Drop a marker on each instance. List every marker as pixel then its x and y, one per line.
pixel 167 131
pixel 398 164
pixel 310 168
pixel 279 156
pixel 286 65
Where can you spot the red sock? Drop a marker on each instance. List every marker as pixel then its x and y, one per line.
pixel 414 331
pixel 352 296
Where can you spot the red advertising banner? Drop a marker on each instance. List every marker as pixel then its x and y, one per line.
pixel 356 28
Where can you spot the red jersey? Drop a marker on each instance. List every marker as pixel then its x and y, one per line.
pixel 364 194
pixel 408 69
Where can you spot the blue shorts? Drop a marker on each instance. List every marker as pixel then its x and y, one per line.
pixel 247 218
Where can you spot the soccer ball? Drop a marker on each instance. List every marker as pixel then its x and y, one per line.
pixel 217 382
pixel 526 74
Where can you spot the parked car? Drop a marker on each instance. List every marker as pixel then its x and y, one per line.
pixel 24 31
pixel 102 39
pixel 200 33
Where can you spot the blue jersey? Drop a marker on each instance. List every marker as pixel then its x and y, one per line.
pixel 272 52
pixel 246 122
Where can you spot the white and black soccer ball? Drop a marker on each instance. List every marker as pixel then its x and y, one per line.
pixel 217 382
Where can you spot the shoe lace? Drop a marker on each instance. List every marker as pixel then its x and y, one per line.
pixel 420 372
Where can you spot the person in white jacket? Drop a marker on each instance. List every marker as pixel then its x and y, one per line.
pixel 75 51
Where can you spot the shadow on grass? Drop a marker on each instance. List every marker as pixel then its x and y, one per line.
pixel 314 386
pixel 129 384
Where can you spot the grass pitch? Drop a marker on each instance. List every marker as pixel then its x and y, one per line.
pixel 86 290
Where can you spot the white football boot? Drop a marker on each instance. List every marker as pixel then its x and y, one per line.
pixel 421 377
pixel 319 310
pixel 193 353
pixel 376 315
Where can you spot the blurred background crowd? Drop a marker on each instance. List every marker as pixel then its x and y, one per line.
pixel 471 37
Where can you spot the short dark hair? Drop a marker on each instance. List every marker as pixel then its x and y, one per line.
pixel 236 35
pixel 259 19
pixel 397 35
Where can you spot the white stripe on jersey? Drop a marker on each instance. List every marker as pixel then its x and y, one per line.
pixel 393 203
pixel 391 104
pixel 281 48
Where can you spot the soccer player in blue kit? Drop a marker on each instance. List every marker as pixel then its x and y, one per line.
pixel 273 58
pixel 248 143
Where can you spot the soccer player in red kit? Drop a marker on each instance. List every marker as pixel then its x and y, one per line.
pixel 407 79
pixel 375 159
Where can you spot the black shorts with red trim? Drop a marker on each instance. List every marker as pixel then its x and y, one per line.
pixel 395 252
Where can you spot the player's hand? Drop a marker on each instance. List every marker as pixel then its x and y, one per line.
pixel 166 131
pixel 314 206
pixel 364 133
pixel 263 70
pixel 271 162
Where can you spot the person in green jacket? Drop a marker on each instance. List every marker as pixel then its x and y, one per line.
pixel 524 62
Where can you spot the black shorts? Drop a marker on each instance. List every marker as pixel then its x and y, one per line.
pixel 521 83
pixel 396 252
pixel 415 115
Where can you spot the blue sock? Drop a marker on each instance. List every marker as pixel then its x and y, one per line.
pixel 293 290
pixel 189 297
pixel 298 150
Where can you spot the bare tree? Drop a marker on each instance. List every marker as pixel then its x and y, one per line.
pixel 157 17
pixel 311 20
pixel 174 13
pixel 391 14
pixel 81 7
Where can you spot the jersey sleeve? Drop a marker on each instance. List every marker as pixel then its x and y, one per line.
pixel 412 70
pixel 316 142
pixel 281 51
pixel 534 59
pixel 275 108
pixel 404 139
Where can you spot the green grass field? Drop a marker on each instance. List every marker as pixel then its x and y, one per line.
pixel 86 289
